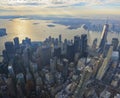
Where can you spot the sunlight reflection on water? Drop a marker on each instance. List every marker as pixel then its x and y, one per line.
pixel 38 30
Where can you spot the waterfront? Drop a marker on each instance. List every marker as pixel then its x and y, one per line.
pixel 38 30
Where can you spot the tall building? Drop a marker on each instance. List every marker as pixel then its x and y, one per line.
pixel 115 56
pixel 16 42
pixel 103 38
pixel 64 50
pixel 65 70
pixel 76 43
pixel 57 51
pixel 104 66
pixel 83 82
pixel 70 52
pixel 94 45
pixel 115 43
pixel 84 45
pixel 26 41
pixel 60 38
pixel 45 55
pixel 106 48
pixel 53 65
pixel 9 47
pixel 5 56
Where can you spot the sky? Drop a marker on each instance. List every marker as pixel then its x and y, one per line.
pixel 60 7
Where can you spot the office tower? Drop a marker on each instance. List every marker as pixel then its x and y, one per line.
pixel 65 68
pixel 60 38
pixel 104 66
pixel 76 57
pixel 16 42
pixel 52 65
pixel 70 52
pixel 64 50
pixel 56 41
pixel 27 41
pixel 5 55
pixel 94 45
pixel 115 43
pixel 87 72
pixel 50 39
pixel 105 51
pixel 45 55
pixel 76 44
pixel 57 51
pixel 115 56
pixel 110 53
pixel 9 47
pixel 84 45
pixel 108 76
pixel 25 56
pixel 46 41
pixel 103 38
pixel 96 63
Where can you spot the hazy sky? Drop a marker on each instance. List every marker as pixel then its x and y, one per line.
pixel 60 7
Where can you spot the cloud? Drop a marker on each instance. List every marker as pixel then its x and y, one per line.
pixel 57 3
pixel 59 7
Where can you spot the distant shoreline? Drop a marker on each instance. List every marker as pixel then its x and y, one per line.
pixel 3 32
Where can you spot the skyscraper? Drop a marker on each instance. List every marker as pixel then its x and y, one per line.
pixel 70 52
pixel 9 47
pixel 76 43
pixel 103 38
pixel 115 43
pixel 84 45
pixel 83 81
pixel 16 42
pixel 94 45
pixel 52 65
pixel 106 48
pixel 104 66
pixel 57 51
pixel 60 38
pixel 45 55
pixel 65 70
